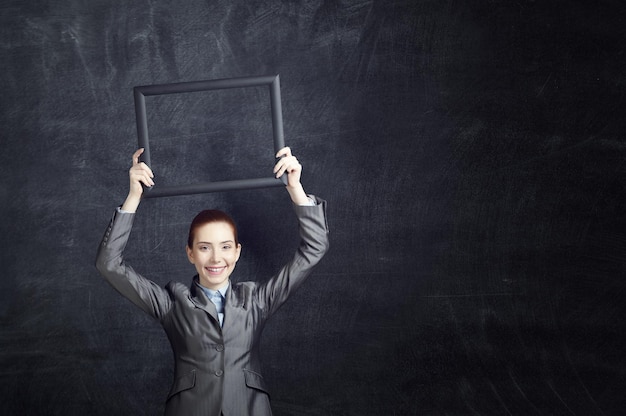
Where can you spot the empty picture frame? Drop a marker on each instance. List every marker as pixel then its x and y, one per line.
pixel 271 81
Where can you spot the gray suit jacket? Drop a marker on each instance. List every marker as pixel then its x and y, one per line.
pixel 218 370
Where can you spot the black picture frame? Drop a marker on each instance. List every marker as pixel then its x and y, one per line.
pixel 271 81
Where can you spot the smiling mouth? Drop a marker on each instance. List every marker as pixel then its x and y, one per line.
pixel 215 270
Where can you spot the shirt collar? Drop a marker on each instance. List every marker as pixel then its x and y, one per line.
pixel 210 292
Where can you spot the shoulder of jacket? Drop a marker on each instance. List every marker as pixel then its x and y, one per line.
pixel 244 287
pixel 177 287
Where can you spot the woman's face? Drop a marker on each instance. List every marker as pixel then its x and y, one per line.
pixel 214 253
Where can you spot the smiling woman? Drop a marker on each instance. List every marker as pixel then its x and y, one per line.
pixel 214 327
pixel 214 249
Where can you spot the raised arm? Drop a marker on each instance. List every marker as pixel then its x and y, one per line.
pixel 138 174
pixel 313 228
pixel 110 262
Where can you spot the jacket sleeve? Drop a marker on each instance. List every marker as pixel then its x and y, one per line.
pixel 144 293
pixel 314 244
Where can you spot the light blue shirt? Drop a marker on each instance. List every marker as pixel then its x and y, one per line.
pixel 217 297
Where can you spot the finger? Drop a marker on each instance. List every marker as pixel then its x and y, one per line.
pixel 288 165
pixel 285 151
pixel 143 176
pixel 142 167
pixel 140 171
pixel 136 155
pixel 146 180
pixel 147 169
pixel 282 164
pixel 291 164
pixel 285 160
pixel 279 169
pixel 148 176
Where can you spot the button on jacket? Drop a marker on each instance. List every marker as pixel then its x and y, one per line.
pixel 217 368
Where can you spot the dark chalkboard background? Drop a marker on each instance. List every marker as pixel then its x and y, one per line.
pixel 471 152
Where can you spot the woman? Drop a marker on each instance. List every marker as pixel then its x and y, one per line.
pixel 214 326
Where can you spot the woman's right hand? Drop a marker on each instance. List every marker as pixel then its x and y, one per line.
pixel 138 174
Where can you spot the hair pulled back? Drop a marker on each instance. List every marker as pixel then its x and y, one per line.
pixel 210 216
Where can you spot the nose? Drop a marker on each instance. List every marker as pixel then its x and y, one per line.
pixel 213 258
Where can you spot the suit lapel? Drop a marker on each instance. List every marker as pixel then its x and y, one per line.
pixel 200 300
pixel 233 305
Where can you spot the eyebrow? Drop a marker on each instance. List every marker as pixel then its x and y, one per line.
pixel 223 242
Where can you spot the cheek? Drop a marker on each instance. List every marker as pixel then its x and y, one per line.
pixel 199 257
pixel 233 259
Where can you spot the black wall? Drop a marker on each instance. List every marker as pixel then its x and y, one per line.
pixel 471 152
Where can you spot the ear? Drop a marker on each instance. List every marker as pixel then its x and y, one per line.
pixel 238 252
pixel 189 254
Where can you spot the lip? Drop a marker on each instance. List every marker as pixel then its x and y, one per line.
pixel 215 271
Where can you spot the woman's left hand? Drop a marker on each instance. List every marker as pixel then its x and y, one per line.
pixel 288 164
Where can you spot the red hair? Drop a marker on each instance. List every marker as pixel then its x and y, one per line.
pixel 209 216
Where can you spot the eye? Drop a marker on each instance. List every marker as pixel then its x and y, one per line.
pixel 226 247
